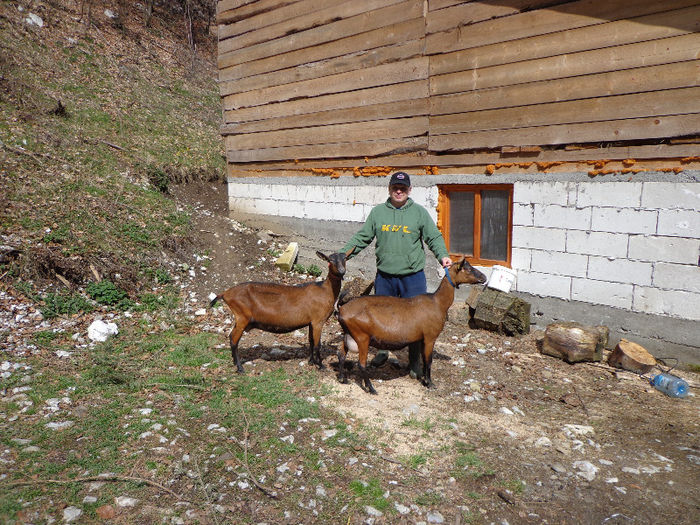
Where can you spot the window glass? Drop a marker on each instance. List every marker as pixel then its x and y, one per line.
pixel 494 224
pixel 462 222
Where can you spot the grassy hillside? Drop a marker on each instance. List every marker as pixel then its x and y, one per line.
pixel 95 121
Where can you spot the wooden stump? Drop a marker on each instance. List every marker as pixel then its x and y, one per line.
pixel 499 312
pixel 574 342
pixel 631 356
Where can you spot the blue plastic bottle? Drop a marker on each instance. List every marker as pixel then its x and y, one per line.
pixel 670 385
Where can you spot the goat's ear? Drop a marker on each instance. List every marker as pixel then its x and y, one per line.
pixel 349 252
pixel 463 262
pixel 323 256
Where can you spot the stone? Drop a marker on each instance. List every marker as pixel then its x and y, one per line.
pixel 586 470
pixel 125 501
pixel 372 511
pixel 71 514
pixel 106 512
pixel 99 331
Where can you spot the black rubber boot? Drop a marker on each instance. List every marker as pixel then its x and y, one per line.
pixel 380 359
pixel 415 360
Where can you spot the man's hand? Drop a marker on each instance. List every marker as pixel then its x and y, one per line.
pixel 446 262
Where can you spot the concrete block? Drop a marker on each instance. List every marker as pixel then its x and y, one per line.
pixel 620 270
pixel 543 284
pixel 263 191
pixel 596 243
pixel 346 212
pixel 669 195
pixel 664 249
pixel 559 263
pixel 602 292
pixel 285 261
pixel 539 238
pixel 520 258
pixel 241 204
pixel 673 303
pixel 614 194
pixel 523 215
pixel 624 220
pixel 371 195
pixel 677 277
pixel 680 223
pixel 272 207
pixel 541 193
pixel 316 210
pixel 422 196
pixel 566 217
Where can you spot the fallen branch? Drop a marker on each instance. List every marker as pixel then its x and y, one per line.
pixel 204 489
pixel 94 478
pixel 196 387
pixel 581 400
pixel 269 493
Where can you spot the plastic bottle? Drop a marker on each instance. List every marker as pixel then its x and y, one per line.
pixel 670 385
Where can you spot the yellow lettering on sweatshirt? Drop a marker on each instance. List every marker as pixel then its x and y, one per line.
pixel 395 228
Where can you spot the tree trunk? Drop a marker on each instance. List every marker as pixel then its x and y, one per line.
pixel 631 356
pixel 574 342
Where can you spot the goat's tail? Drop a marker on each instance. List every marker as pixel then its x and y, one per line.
pixel 214 301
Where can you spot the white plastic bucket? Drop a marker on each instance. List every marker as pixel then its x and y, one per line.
pixel 502 278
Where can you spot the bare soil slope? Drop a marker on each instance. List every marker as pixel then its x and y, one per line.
pixel 540 441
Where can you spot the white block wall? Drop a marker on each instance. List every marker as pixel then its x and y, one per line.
pixel 323 201
pixel 630 245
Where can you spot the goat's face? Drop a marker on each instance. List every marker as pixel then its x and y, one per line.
pixel 467 274
pixel 336 263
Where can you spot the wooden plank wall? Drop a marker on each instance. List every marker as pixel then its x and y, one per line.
pixel 444 82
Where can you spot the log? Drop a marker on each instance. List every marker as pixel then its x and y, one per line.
pixel 631 356
pixel 499 312
pixel 574 342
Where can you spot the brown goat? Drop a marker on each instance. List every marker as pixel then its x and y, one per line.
pixel 392 323
pixel 280 308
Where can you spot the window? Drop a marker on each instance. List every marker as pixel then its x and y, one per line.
pixel 476 221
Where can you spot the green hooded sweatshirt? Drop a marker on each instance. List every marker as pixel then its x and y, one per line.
pixel 400 233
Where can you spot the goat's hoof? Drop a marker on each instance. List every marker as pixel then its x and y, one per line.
pixel 240 370
pixel 372 391
pixel 343 380
pixel 429 385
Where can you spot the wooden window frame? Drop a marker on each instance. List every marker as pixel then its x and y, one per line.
pixel 444 219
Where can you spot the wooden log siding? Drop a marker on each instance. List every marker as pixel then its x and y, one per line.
pixel 408 83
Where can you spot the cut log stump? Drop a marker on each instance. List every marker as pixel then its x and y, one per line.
pixel 574 342
pixel 497 311
pixel 631 356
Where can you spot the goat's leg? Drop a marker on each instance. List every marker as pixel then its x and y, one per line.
pixel 348 342
pixel 315 345
pixel 363 349
pixel 234 338
pixel 427 363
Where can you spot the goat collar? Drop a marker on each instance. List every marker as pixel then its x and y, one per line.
pixel 449 279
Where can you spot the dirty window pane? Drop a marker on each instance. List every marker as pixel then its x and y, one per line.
pixel 462 222
pixel 494 224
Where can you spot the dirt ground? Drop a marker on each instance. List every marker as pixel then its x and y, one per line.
pixel 579 443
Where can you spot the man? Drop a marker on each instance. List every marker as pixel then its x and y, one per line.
pixel 400 227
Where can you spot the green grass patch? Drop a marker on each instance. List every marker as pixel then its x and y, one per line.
pixel 56 304
pixel 430 498
pixel 369 493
